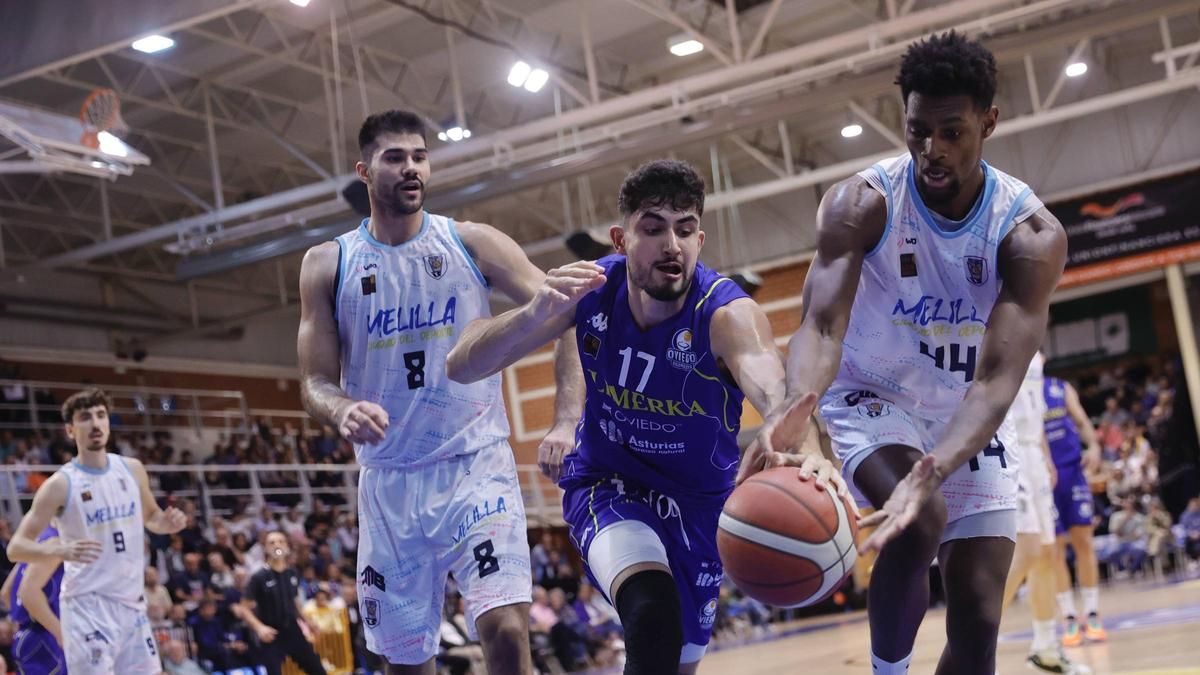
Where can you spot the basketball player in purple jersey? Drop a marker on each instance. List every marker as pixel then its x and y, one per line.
pixel 927 298
pixel 32 591
pixel 669 348
pixel 1066 425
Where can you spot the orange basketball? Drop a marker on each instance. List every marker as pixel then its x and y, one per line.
pixel 783 541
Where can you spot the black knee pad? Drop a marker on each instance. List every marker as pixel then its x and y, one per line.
pixel 648 604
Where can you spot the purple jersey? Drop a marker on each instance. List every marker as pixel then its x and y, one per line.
pixel 20 615
pixel 659 408
pixel 1061 432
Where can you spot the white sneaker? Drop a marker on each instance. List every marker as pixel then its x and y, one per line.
pixel 1054 661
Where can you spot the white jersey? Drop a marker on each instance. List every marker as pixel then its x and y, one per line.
pixel 104 505
pixel 1028 411
pixel 926 292
pixel 400 309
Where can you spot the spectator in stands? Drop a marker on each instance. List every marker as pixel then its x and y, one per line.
pixel 308 582
pixel 266 521
pixel 222 543
pixel 176 661
pixel 293 525
pixel 193 536
pixel 458 652
pixel 598 614
pixel 220 575
pixel 1190 520
pixel 156 594
pixel 1130 528
pixel 347 535
pixel 539 556
pixel 1159 540
pixel 187 587
pixel 320 613
pixel 172 558
pixel 213 650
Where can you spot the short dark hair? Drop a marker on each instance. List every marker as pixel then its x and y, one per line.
pixel 82 400
pixel 949 64
pixel 662 182
pixel 389 122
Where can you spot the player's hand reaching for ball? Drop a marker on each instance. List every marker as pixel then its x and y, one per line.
pixel 784 428
pixel 564 287
pixel 363 422
pixel 80 550
pixel 555 446
pixel 902 507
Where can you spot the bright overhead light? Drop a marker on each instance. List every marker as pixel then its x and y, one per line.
pixel 685 47
pixel 519 73
pixel 524 75
pixel 111 145
pixel 299 3
pixel 1076 69
pixel 851 130
pixel 537 80
pixel 153 43
pixel 454 133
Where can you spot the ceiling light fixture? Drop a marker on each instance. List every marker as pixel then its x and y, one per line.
pixel 299 3
pixel 527 77
pixel 684 46
pixel 454 133
pixel 153 43
pixel 1076 69
pixel 851 130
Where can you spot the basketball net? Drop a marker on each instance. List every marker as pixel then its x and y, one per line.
pixel 101 111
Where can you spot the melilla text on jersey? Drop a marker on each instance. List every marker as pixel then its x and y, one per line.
pixel 111 514
pixel 389 327
pixel 931 315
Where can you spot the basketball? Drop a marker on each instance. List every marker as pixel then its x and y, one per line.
pixel 784 542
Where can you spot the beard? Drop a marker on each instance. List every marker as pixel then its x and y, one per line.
pixel 663 291
pixel 396 202
pixel 942 195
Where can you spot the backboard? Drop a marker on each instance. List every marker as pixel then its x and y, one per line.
pixel 54 142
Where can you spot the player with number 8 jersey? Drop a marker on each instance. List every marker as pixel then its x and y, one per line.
pixel 438 493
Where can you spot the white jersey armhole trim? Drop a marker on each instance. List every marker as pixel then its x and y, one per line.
pixel 1010 221
pixel 470 260
pixel 885 188
pixel 66 474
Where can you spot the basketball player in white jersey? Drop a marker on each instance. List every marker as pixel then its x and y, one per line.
pixel 438 493
pixel 926 300
pixel 1034 556
pixel 100 503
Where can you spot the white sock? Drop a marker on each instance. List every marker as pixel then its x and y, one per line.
pixel 1044 638
pixel 1091 599
pixel 881 667
pixel 1066 604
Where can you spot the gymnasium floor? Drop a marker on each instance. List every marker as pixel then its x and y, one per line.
pixel 1154 629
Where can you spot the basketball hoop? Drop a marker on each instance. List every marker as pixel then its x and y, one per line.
pixel 101 111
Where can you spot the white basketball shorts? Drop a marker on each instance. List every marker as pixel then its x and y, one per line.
pixel 103 637
pixel 980 495
pixel 1035 496
pixel 462 516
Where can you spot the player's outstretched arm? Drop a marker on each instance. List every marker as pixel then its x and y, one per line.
pixel 850 221
pixel 320 355
pixel 742 338
pixel 1087 432
pixel 487 346
pixel 33 596
pixel 158 520
pixel 48 502
pixel 1030 262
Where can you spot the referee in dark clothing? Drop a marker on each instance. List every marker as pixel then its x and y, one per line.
pixel 271 606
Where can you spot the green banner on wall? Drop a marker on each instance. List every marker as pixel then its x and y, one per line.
pixel 1099 328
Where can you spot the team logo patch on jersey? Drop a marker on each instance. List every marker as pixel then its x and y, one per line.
pixel 708 613
pixel 370 612
pixel 874 409
pixel 976 267
pixel 436 265
pixel 368 284
pixel 86 496
pixel 599 322
pixel 680 355
pixel 908 265
pixel 591 345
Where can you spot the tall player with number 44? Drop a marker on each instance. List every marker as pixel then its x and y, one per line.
pixel 926 301
pixel 438 493
pixel 100 504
